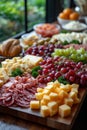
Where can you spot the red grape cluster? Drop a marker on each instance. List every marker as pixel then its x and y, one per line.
pixel 43 50
pixel 53 68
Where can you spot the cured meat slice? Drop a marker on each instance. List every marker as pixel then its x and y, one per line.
pixel 18 91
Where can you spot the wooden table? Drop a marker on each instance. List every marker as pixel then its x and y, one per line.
pixel 11 123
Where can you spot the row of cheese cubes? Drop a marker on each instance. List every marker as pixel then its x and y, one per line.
pixel 55 98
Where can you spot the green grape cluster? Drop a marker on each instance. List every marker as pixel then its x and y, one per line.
pixel 73 54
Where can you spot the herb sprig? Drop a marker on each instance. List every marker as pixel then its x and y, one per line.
pixel 16 72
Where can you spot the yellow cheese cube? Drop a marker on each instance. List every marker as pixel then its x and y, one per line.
pixel 64 110
pixel 49 87
pixel 50 83
pixel 39 89
pixel 43 102
pixel 53 96
pixel 62 94
pixel 45 111
pixel 68 101
pixel 46 98
pixel 57 90
pixel 39 95
pixel 75 86
pixel 34 104
pixel 53 107
pixel 46 91
pixel 56 84
pixel 66 87
pixel 74 90
pixel 73 95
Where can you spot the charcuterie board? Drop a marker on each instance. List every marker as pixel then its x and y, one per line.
pixel 53 122
pixel 43 62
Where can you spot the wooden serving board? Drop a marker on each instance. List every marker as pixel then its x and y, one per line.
pixel 53 122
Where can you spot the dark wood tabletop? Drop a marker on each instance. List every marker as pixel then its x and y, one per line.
pixel 8 122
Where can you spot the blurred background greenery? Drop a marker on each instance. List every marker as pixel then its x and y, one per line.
pixel 12 16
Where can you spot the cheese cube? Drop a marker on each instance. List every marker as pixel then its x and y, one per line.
pixel 66 87
pixel 39 89
pixel 46 98
pixel 56 84
pixel 64 110
pixel 46 91
pixel 34 104
pixel 45 111
pixel 68 101
pixel 58 90
pixel 73 95
pixel 39 95
pixel 75 86
pixel 53 96
pixel 49 87
pixel 74 90
pixel 53 107
pixel 62 94
pixel 43 102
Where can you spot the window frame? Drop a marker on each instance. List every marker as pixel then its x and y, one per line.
pixel 52 11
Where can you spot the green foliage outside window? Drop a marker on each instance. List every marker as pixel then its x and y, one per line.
pixel 12 16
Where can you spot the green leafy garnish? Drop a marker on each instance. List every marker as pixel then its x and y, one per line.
pixel 34 71
pixel 65 42
pixel 16 72
pixel 61 79
pixel 75 42
pixel 36 68
pixel 35 74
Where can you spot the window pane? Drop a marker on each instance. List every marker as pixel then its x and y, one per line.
pixel 65 3
pixel 36 12
pixel 11 18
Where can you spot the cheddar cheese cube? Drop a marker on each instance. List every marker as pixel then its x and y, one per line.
pixel 74 90
pixel 53 96
pixel 39 95
pixel 64 110
pixel 34 104
pixel 45 111
pixel 39 89
pixel 53 107
pixel 46 91
pixel 46 98
pixel 68 101
pixel 56 84
pixel 66 87
pixel 73 95
pixel 62 94
pixel 43 102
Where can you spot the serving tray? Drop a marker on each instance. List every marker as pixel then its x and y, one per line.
pixel 53 122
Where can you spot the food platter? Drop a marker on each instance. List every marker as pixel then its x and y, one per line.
pixel 41 54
